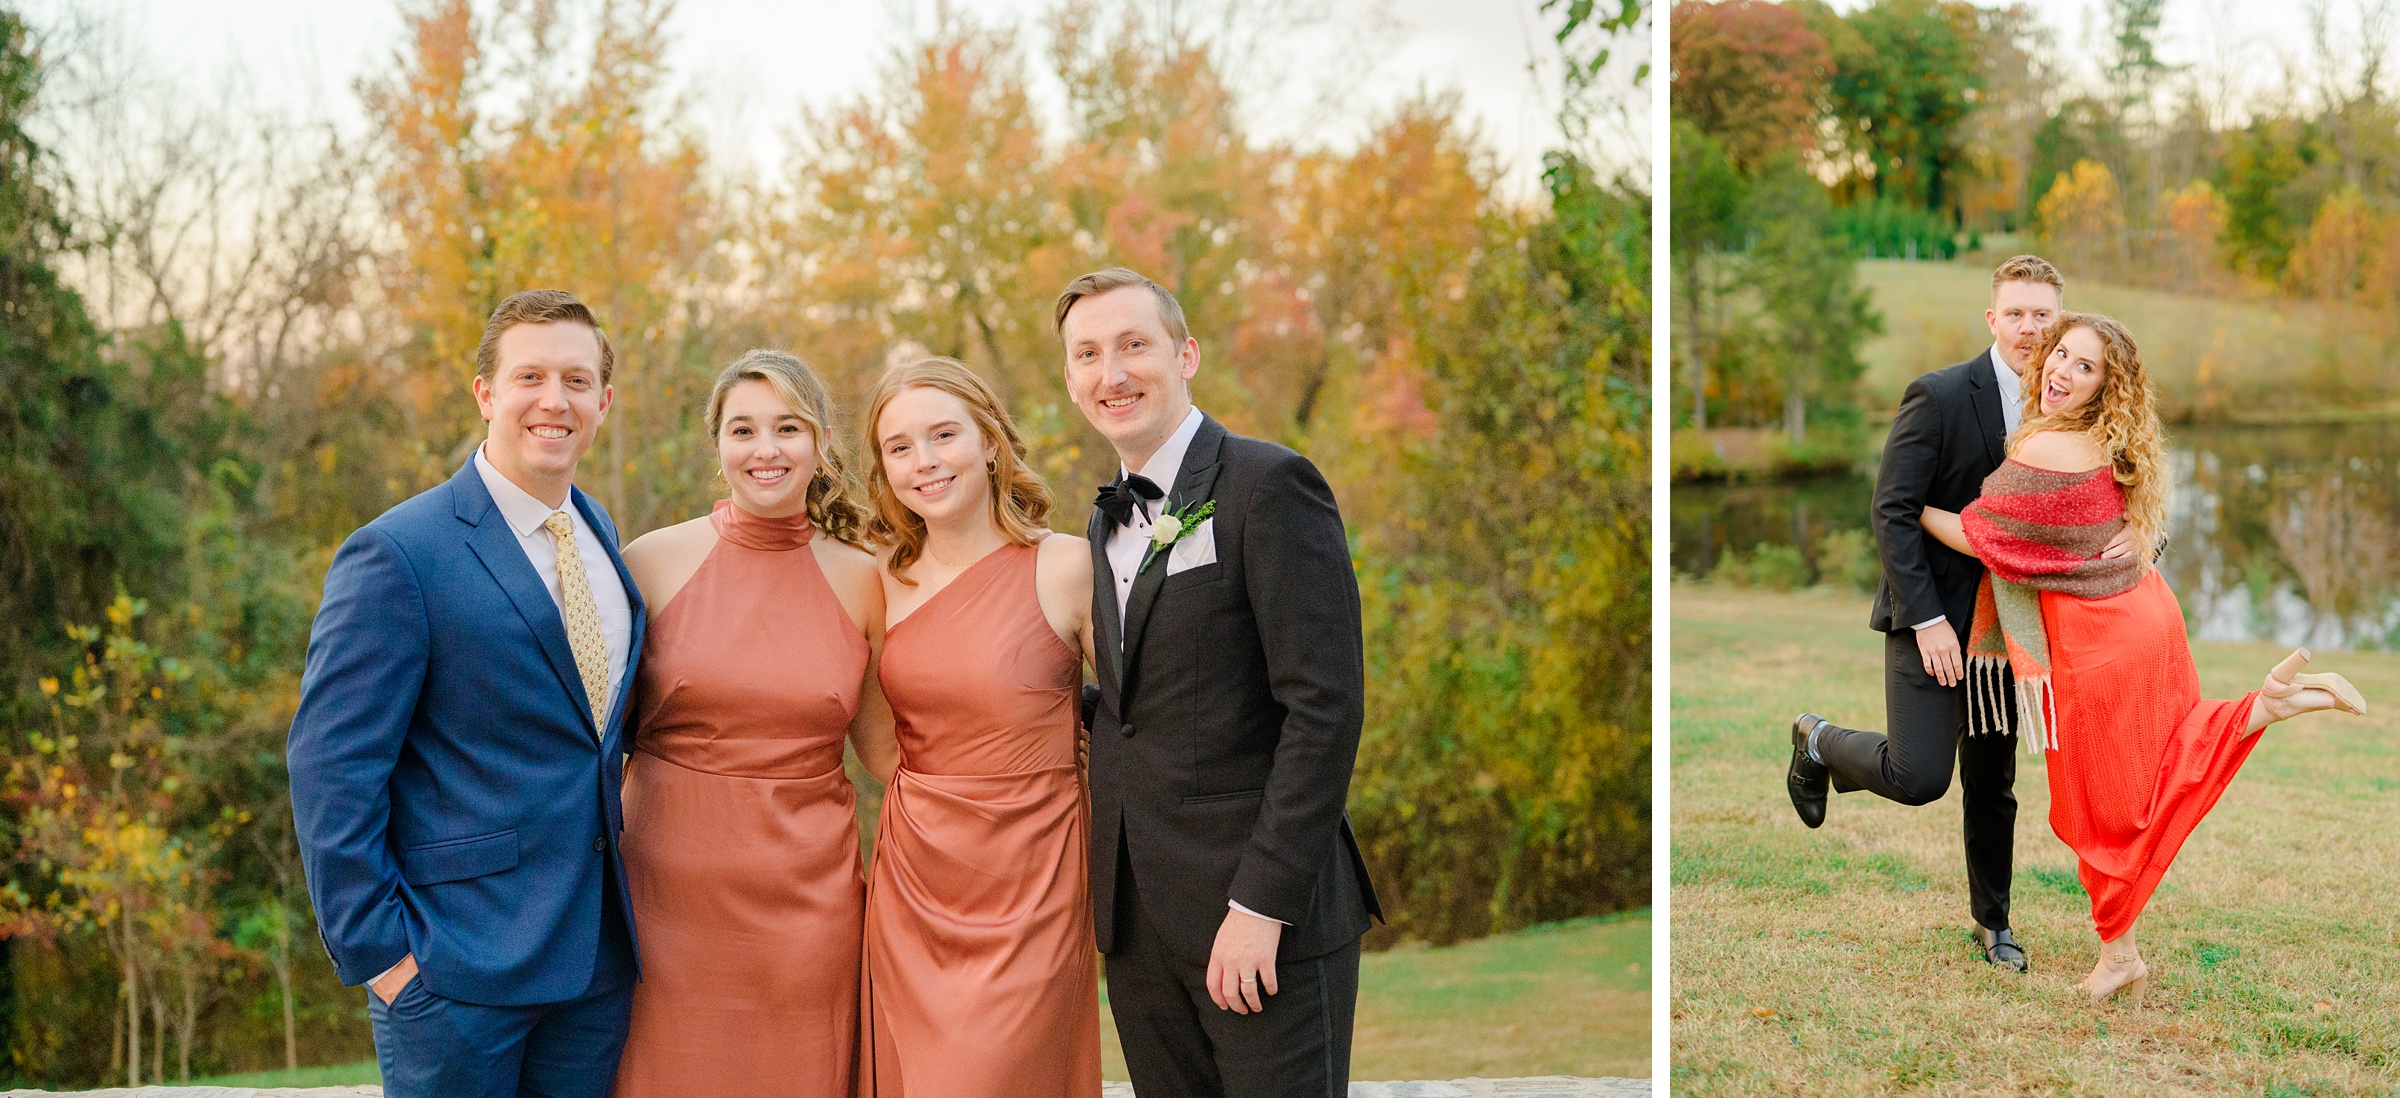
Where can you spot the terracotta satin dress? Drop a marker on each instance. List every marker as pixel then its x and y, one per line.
pixel 982 981
pixel 741 833
pixel 2141 755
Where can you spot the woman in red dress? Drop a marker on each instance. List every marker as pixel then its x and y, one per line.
pixel 2104 677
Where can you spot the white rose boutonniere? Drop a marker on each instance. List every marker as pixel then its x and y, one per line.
pixel 1171 528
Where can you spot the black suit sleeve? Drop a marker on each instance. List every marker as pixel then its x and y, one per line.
pixel 1304 596
pixel 1903 480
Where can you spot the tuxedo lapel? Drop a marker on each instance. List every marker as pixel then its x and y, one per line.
pixel 496 546
pixel 1109 645
pixel 1991 420
pixel 1193 483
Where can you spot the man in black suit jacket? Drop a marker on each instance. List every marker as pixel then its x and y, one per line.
pixel 1950 433
pixel 1227 889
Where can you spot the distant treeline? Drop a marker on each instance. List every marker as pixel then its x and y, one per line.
pixel 1805 138
pixel 227 343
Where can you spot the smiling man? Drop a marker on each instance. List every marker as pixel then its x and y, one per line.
pixel 456 756
pixel 1228 893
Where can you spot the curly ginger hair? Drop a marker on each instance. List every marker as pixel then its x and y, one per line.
pixel 2122 418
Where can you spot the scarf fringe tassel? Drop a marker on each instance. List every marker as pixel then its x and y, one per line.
pixel 1988 697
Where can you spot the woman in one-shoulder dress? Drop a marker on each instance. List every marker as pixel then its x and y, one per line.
pixel 2107 687
pixel 741 831
pixel 982 981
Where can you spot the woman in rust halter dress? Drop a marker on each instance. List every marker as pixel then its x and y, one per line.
pixel 2105 680
pixel 741 833
pixel 982 981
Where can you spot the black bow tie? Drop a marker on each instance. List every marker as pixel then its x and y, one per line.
pixel 1119 497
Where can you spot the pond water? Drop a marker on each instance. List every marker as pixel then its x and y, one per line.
pixel 2290 534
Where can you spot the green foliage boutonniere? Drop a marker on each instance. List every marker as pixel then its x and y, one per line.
pixel 1172 527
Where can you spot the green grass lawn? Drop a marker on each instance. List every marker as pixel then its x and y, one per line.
pixel 1569 998
pixel 2237 356
pixel 1839 961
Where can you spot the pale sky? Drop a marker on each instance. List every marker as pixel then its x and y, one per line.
pixel 2241 49
pixel 751 64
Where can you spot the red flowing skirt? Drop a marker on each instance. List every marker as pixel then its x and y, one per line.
pixel 2141 756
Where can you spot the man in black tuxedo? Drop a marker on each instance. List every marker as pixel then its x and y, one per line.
pixel 1228 893
pixel 1950 433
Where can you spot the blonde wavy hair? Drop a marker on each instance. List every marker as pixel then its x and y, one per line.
pixel 1020 500
pixel 2122 418
pixel 832 507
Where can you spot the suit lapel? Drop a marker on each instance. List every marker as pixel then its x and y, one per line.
pixel 1193 483
pixel 1988 414
pixel 1109 645
pixel 496 546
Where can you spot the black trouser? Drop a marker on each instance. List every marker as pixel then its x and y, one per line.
pixel 1911 765
pixel 1180 1044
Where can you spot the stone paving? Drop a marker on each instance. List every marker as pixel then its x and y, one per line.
pixel 1547 1086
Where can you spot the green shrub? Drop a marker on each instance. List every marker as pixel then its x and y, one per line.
pixel 1773 566
pixel 1847 558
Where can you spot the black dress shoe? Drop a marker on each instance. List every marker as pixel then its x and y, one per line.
pixel 2001 949
pixel 1806 779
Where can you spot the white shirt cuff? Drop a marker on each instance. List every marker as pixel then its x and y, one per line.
pixel 1237 906
pixel 1929 623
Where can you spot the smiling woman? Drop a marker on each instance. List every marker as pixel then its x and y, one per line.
pixel 739 819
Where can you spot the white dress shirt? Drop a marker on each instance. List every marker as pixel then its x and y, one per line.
pixel 525 516
pixel 2012 413
pixel 1127 543
pixel 2012 400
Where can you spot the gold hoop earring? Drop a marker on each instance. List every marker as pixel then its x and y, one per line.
pixel 991 465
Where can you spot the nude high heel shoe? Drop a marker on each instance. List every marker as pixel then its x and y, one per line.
pixel 2286 681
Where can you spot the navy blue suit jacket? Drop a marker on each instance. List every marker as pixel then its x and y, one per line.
pixel 452 797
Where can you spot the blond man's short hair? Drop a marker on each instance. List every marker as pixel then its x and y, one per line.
pixel 2027 268
pixel 1170 311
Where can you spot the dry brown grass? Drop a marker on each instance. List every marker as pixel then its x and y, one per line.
pixel 1839 961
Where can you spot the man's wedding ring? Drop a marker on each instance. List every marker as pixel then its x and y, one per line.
pixel 1249 979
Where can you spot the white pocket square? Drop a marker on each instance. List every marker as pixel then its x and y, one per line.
pixel 1194 549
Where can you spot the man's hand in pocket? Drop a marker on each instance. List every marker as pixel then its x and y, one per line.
pixel 387 986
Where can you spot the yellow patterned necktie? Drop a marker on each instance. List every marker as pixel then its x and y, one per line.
pixel 582 614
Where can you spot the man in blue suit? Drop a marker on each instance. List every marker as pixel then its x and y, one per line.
pixel 456 756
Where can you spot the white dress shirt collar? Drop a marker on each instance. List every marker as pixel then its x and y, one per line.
pixel 2012 398
pixel 523 512
pixel 1167 464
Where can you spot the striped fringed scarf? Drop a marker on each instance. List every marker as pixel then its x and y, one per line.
pixel 2036 530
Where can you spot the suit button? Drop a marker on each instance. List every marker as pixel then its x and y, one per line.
pixel 600 843
pixel 1126 730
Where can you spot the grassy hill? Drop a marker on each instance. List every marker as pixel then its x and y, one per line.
pixel 2234 357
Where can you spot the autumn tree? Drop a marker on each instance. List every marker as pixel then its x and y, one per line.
pixel 1750 74
pixel 1905 73
pixel 2081 221
pixel 580 180
pixel 2338 257
pixel 2190 220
